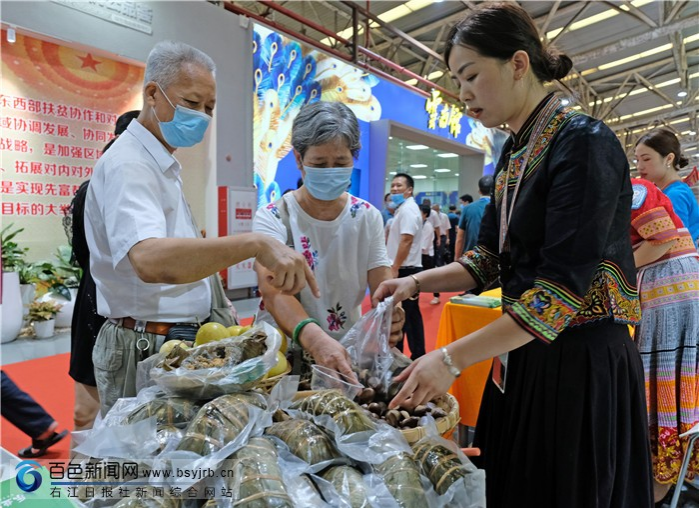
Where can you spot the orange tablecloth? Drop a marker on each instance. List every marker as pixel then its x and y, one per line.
pixel 456 322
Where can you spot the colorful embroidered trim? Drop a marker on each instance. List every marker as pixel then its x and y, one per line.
pixel 546 309
pixel 609 295
pixel 557 121
pixel 655 226
pixel 483 265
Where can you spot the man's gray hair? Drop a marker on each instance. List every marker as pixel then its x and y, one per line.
pixel 323 122
pixel 166 59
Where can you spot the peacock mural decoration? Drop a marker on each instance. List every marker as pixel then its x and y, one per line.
pixel 287 75
pixel 490 141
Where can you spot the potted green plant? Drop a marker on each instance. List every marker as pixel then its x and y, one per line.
pixel 43 317
pixel 28 275
pixel 12 257
pixel 61 279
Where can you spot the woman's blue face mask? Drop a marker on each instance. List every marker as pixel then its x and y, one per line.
pixel 327 184
pixel 187 127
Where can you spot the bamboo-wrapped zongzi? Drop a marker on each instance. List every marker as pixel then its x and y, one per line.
pixel 219 422
pixel 347 414
pixel 175 411
pixel 349 484
pixel 401 475
pixel 257 479
pixel 440 465
pixel 305 440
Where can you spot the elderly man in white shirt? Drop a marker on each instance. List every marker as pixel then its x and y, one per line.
pixel 405 252
pixel 151 268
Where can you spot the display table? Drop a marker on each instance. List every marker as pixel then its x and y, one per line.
pixel 458 321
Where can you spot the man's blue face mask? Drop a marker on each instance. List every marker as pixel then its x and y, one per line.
pixel 187 127
pixel 396 200
pixel 327 184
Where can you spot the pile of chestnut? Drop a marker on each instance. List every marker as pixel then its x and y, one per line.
pixel 374 399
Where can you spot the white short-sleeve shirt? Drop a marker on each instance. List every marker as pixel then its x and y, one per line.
pixel 340 252
pixel 427 239
pixel 407 220
pixel 445 225
pixel 436 221
pixel 135 194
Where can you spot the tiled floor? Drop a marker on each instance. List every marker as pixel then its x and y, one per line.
pixel 28 348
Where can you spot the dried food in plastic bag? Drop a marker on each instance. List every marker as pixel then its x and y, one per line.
pixel 305 440
pixel 218 422
pixel 229 365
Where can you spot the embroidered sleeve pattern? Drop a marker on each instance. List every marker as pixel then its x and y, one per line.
pixel 483 265
pixel 655 226
pixel 546 309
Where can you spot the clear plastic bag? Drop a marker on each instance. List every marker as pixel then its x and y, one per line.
pixel 225 376
pixel 367 342
pixel 457 482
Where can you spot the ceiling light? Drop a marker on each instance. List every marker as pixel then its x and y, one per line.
pixel 393 173
pixel 679 120
pixel 641 113
pixel 692 133
pixel 447 155
pixel 456 174
pixel 417 147
pixel 390 137
pixel 387 17
pixel 690 149
pixel 610 13
pixel 442 170
pixel 682 93
pixel 418 165
pixel 565 102
pixel 419 177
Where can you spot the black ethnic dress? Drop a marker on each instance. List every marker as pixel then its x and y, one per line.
pixel 570 429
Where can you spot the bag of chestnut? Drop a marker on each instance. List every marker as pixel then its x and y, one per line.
pixel 373 360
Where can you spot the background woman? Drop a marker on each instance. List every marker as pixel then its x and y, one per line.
pixel 560 425
pixel 668 336
pixel 659 160
pixel 340 235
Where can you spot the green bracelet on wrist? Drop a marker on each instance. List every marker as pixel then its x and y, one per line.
pixel 299 327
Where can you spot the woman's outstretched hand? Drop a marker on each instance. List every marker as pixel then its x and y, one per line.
pixel 401 289
pixel 425 378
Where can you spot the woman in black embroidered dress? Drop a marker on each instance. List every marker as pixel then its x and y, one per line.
pixel 569 428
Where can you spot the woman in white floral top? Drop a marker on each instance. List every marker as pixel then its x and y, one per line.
pixel 340 235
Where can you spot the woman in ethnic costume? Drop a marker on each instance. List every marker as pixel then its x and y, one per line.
pixel 668 336
pixel 563 425
pixel 659 160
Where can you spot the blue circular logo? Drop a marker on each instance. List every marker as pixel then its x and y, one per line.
pixel 28 468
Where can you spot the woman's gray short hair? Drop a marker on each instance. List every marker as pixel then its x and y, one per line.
pixel 166 59
pixel 322 122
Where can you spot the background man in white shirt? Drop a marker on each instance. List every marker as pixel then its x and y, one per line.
pixel 150 266
pixel 441 234
pixel 405 253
